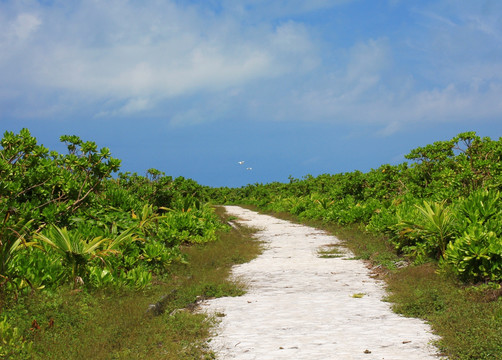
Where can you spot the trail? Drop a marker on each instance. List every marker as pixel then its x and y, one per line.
pixel 301 306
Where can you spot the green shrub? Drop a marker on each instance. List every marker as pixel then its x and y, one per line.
pixel 476 255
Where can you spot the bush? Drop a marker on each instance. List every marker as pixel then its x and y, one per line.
pixel 476 255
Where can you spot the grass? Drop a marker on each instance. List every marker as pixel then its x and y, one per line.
pixel 115 324
pixel 467 317
pixel 330 251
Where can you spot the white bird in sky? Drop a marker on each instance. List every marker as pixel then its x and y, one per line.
pixel 249 168
pixel 241 162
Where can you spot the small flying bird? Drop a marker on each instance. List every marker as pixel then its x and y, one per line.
pixel 249 168
pixel 241 162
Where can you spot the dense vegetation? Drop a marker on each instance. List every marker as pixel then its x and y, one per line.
pixel 71 233
pixel 440 214
pixel 445 205
pixel 65 222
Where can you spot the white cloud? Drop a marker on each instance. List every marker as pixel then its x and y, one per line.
pixel 121 50
pixel 188 117
pixel 368 90
pixel 436 19
pixel 291 38
pixel 135 105
pixel 25 25
pixel 389 129
pixel 129 107
pixel 17 29
pixel 259 59
pixel 279 9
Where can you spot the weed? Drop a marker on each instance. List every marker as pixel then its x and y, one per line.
pixel 330 251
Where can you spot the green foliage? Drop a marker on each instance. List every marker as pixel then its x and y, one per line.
pixel 427 232
pixel 106 319
pixel 439 226
pixel 482 207
pixel 476 255
pixel 33 269
pixel 47 186
pixel 158 256
pixel 382 220
pixel 88 227
pixel 66 222
pixel 139 278
pixel 188 227
pixel 12 237
pixel 75 251
pixel 418 205
pixel 12 343
pixel 125 232
pixel 98 277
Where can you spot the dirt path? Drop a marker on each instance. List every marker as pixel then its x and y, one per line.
pixel 301 306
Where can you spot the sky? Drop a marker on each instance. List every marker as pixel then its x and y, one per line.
pixel 291 87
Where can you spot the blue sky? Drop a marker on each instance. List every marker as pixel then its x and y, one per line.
pixel 291 87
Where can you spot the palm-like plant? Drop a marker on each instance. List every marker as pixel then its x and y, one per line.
pixel 324 202
pixel 438 224
pixel 75 250
pixel 430 229
pixel 146 218
pixel 126 235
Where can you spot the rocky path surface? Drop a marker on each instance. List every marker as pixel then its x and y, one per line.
pixel 301 306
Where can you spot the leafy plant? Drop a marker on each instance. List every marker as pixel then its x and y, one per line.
pixel 12 343
pixel 12 236
pixel 74 250
pixel 429 231
pixel 138 278
pixel 32 268
pixel 147 219
pixel 99 277
pixel 476 255
pixel 482 207
pixel 159 257
pixel 46 185
pixel 438 226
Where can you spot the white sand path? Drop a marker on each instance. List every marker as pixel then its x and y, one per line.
pixel 301 306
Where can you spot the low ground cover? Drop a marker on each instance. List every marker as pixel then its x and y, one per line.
pixel 69 323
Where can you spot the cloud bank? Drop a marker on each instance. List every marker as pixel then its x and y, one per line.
pixel 192 62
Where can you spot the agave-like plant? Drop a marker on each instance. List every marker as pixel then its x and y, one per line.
pixel 78 252
pixel 75 250
pixel 324 202
pixel 126 235
pixel 430 229
pixel 438 224
pixel 146 218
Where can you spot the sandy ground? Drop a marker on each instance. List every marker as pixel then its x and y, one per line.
pixel 301 306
